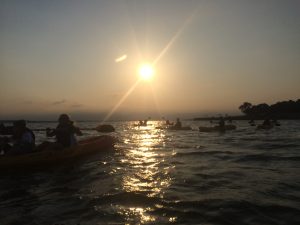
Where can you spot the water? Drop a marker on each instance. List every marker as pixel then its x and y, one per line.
pixel 166 177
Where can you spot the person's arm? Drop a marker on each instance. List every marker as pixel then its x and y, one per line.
pixel 27 138
pixel 50 132
pixel 78 131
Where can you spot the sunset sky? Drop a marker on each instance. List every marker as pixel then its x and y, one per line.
pixel 82 57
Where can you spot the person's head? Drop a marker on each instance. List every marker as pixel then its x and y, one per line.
pixel 20 124
pixel 19 127
pixel 64 119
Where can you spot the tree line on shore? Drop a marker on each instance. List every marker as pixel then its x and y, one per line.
pixel 280 110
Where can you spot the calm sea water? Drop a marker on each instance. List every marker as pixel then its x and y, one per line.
pixel 165 177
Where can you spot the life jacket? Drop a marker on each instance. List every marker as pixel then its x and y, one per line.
pixel 65 134
pixel 31 133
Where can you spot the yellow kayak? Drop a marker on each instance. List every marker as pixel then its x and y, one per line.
pixel 53 157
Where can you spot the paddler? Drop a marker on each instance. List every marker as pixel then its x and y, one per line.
pixel 177 124
pixel 23 139
pixel 65 131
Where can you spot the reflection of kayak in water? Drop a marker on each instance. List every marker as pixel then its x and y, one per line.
pixel 264 127
pixel 46 158
pixel 217 128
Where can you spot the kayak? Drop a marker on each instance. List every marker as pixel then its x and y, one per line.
pixel 49 157
pixel 172 128
pixel 264 127
pixel 179 128
pixel 217 128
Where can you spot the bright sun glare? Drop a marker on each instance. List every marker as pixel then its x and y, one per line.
pixel 146 71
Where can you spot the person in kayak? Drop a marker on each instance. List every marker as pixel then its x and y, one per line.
pixel 141 123
pixel 23 139
pixel 275 122
pixel 177 124
pixel 252 122
pixel 222 122
pixel 267 122
pixel 168 123
pixel 65 131
pixel 145 122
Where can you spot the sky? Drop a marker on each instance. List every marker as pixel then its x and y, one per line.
pixel 82 57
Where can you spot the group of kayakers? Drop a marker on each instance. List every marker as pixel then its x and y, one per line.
pixel 22 139
pixel 222 126
pixel 267 122
pixel 142 122
pixel 177 124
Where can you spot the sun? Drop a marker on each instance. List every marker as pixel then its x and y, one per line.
pixel 146 72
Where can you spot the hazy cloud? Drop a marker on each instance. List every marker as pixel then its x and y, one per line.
pixel 121 58
pixel 76 105
pixel 63 101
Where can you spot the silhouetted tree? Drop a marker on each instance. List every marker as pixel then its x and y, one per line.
pixel 281 109
pixel 261 109
pixel 246 108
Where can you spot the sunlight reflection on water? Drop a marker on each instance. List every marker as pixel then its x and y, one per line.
pixel 146 173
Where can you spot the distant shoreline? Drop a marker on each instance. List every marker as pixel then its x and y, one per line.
pixel 292 116
pixel 287 116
